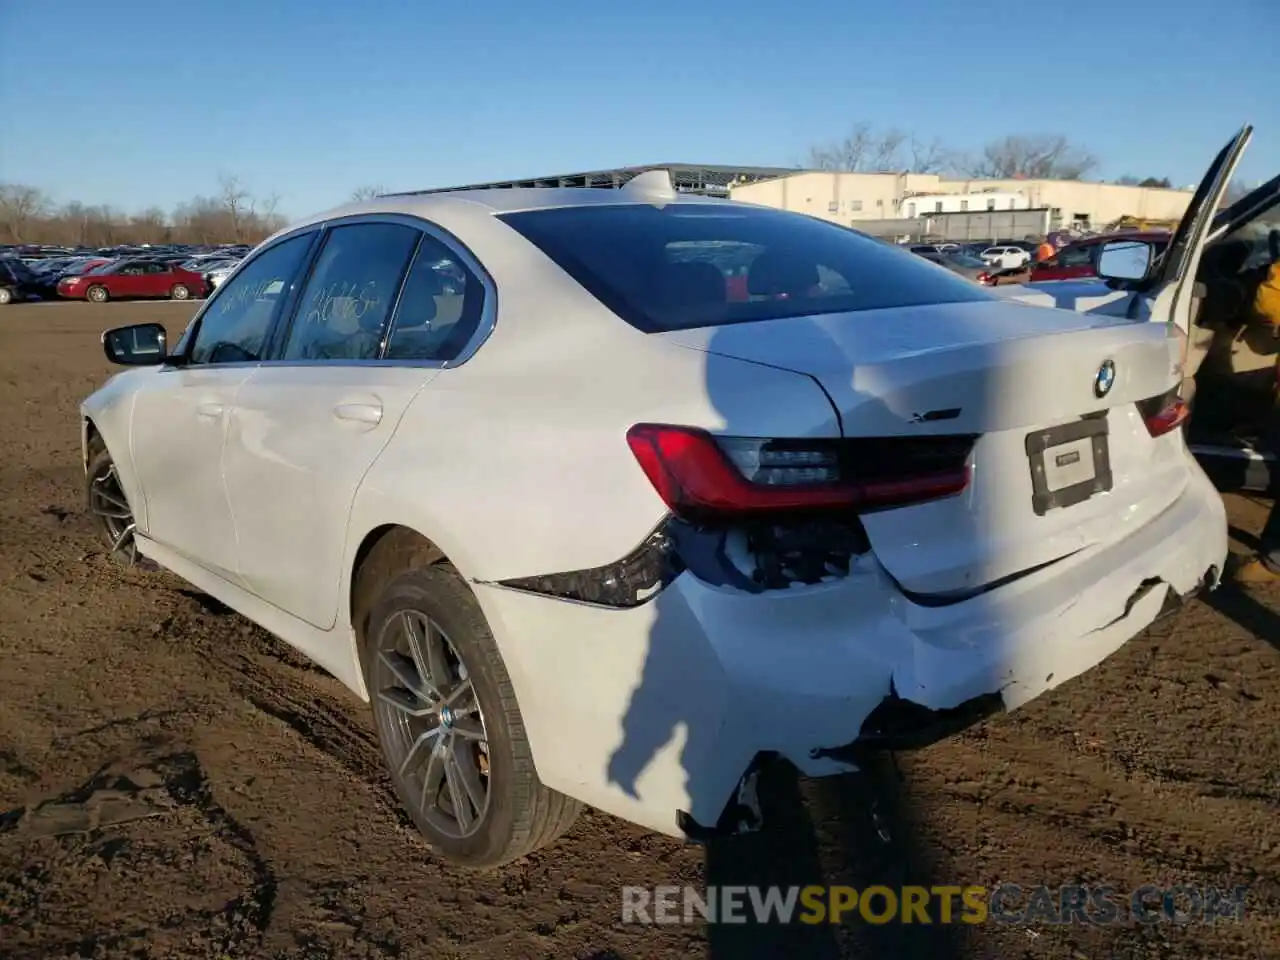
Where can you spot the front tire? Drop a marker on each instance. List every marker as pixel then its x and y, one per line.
pixel 97 294
pixel 6 296
pixel 449 725
pixel 108 507
pixel 179 291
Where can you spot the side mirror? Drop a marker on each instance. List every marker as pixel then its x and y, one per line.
pixel 137 345
pixel 1124 260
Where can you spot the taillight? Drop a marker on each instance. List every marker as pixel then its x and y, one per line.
pixel 1164 414
pixel 702 477
pixel 985 278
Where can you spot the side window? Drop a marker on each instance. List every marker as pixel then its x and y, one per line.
pixel 1076 256
pixel 131 270
pixel 349 296
pixel 234 327
pixel 440 308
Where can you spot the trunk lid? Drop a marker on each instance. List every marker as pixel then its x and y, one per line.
pixel 1022 379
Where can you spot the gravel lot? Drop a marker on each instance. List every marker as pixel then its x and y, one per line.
pixel 175 783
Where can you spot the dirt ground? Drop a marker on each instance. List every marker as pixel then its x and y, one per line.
pixel 175 783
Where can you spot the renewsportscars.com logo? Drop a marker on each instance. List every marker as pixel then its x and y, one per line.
pixel 1006 903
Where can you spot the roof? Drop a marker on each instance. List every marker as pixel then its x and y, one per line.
pixel 704 178
pixel 433 205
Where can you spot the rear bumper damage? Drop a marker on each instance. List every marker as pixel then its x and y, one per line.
pixel 668 714
pixel 896 725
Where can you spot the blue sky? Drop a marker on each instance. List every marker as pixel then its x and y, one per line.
pixel 133 103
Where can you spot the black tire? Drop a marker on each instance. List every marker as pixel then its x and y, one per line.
pixel 97 294
pixel 179 291
pixel 521 814
pixel 102 496
pixel 6 296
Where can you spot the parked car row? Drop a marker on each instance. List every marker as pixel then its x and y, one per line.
pixel 113 273
pixel 1014 263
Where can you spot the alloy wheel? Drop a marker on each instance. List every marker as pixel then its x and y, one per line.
pixel 107 502
pixel 435 731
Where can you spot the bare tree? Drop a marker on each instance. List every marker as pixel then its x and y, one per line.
pixel 928 156
pixel 867 150
pixel 150 224
pixel 20 206
pixel 27 216
pixel 368 192
pixel 1032 157
pixel 269 215
pixel 237 201
pixel 864 150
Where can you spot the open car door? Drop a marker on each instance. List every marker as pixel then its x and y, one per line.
pixel 1171 286
pixel 1236 381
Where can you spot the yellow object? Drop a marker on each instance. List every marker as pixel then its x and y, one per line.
pixel 1254 571
pixel 1266 302
pixel 1128 223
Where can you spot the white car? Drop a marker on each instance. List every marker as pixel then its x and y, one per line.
pixel 1006 258
pixel 217 272
pixel 589 517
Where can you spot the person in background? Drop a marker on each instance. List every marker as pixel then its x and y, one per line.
pixel 1264 566
pixel 1045 251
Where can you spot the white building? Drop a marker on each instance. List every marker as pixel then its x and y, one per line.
pixel 847 198
pixel 922 204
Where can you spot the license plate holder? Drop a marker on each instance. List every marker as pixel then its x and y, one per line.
pixel 1069 463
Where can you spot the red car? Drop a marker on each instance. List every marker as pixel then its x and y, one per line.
pixel 1080 259
pixel 122 279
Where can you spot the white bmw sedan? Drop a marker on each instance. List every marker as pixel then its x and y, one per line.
pixel 620 497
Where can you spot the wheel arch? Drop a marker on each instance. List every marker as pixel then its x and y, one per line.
pixel 383 550
pixel 89 432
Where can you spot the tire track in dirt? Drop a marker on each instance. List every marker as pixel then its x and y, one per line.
pixel 287 687
pixel 89 827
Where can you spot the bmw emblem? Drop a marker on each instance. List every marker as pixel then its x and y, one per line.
pixel 1104 379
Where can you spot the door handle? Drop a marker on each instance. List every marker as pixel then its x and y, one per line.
pixel 370 413
pixel 210 409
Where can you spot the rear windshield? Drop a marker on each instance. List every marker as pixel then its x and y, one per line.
pixel 701 265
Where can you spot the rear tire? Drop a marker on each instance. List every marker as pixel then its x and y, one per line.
pixel 478 730
pixel 6 296
pixel 109 507
pixel 179 291
pixel 97 294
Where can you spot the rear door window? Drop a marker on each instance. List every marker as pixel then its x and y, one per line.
pixel 686 265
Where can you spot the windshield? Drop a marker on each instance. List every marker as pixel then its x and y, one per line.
pixel 110 266
pixel 689 265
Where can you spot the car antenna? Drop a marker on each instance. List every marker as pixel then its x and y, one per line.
pixel 652 184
